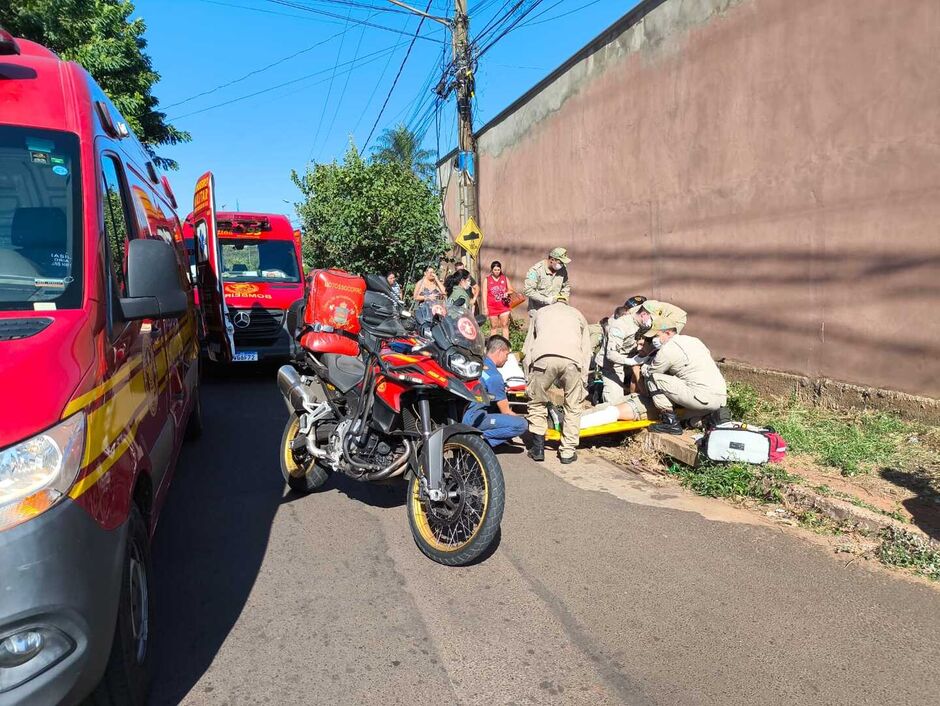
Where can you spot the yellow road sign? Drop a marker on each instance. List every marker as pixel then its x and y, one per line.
pixel 470 238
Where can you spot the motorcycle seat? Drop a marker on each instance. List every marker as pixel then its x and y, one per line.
pixel 343 371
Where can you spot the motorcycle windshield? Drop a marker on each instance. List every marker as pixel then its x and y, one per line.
pixel 451 324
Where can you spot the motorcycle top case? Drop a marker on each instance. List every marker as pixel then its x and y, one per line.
pixel 332 311
pixel 733 441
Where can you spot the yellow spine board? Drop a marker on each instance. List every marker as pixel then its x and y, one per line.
pixel 613 428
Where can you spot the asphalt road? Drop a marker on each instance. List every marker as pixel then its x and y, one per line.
pixel 603 590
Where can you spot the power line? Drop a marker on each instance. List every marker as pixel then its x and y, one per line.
pixel 255 71
pixel 342 95
pixel 397 76
pixel 374 56
pixel 329 91
pixel 532 22
pixel 509 28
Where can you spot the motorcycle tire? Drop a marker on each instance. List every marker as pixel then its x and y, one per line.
pixel 459 530
pixel 299 478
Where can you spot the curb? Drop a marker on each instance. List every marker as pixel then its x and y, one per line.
pixel 844 512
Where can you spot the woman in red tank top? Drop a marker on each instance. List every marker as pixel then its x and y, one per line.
pixel 498 290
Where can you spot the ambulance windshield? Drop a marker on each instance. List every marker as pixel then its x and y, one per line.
pixel 256 260
pixel 40 220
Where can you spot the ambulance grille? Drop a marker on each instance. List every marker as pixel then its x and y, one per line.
pixel 13 329
pixel 263 327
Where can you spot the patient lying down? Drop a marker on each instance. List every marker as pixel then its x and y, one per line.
pixel 634 408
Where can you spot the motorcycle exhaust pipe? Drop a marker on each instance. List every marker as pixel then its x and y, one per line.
pixel 296 394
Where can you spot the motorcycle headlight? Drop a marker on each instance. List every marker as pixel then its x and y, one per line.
pixel 36 473
pixel 464 367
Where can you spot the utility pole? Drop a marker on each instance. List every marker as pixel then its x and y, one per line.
pixel 466 144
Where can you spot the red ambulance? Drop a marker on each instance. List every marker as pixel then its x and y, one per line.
pixel 256 258
pixel 99 377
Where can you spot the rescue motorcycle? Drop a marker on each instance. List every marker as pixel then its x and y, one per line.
pixel 375 401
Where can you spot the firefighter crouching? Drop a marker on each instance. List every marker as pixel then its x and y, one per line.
pixel 681 374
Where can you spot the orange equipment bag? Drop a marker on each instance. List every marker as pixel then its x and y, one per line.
pixel 331 313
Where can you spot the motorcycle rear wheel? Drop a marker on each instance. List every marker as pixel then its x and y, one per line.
pixel 459 529
pixel 302 475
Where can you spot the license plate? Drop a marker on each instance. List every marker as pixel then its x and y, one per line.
pixel 245 356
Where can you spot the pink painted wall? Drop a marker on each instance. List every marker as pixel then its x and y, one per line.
pixel 773 168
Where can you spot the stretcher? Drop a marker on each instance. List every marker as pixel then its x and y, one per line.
pixel 600 430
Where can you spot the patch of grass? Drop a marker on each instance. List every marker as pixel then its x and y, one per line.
pixel 734 480
pixel 853 442
pixel 743 401
pixel 908 551
pixel 816 522
pixel 849 443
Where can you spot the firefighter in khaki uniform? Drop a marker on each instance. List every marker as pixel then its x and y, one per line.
pixel 557 351
pixel 620 353
pixel 547 279
pixel 622 356
pixel 651 310
pixel 682 373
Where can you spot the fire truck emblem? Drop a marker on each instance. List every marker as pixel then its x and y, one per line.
pixel 241 289
pixel 242 319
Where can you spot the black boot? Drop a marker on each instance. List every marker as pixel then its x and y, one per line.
pixel 668 424
pixel 537 450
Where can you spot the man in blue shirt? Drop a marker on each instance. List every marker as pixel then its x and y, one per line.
pixel 497 421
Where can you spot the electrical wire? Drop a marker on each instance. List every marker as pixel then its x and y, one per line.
pixel 374 56
pixel 342 95
pixel 255 71
pixel 532 22
pixel 326 13
pixel 329 90
pixel 395 82
pixel 509 28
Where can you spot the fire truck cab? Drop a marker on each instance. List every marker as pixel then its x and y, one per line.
pixel 256 258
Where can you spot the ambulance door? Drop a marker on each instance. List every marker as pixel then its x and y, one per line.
pixel 220 332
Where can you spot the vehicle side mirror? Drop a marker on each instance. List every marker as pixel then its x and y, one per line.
pixel 154 290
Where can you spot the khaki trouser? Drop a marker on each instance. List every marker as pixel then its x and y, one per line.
pixel 552 370
pixel 668 392
pixel 613 377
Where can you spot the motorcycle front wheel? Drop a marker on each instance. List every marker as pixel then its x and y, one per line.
pixel 457 530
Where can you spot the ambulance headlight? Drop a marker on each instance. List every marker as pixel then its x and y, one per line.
pixel 36 473
pixel 463 366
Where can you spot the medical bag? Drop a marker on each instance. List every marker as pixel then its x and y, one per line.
pixel 735 441
pixel 331 314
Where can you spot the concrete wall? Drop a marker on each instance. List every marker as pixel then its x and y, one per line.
pixel 772 166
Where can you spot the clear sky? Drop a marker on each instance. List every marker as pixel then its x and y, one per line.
pixel 331 77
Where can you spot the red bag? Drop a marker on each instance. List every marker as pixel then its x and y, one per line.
pixel 778 446
pixel 331 314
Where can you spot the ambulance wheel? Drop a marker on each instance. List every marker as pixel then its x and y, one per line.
pixel 126 676
pixel 301 473
pixel 194 426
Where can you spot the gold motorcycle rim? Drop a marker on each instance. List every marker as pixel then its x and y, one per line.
pixel 455 536
pixel 293 468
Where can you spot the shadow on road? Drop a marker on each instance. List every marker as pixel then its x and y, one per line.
pixel 214 529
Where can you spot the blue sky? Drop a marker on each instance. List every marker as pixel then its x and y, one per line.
pixel 332 76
